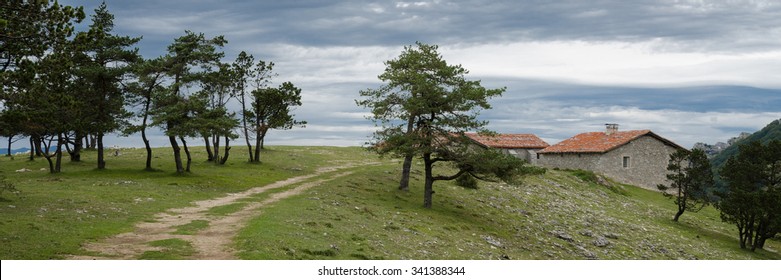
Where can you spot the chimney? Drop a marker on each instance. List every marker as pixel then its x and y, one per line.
pixel 611 128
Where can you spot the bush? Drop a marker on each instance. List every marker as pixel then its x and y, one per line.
pixel 6 186
pixel 466 181
pixel 533 170
pixel 585 175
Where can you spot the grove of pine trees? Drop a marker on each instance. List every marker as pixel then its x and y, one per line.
pixel 65 90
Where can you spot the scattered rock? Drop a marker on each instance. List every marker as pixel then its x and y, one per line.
pixel 601 242
pixel 140 200
pixel 587 232
pixel 492 241
pixel 562 235
pixel 555 184
pixel 589 255
pixel 524 212
pixel 586 253
pixel 611 235
pixel 603 182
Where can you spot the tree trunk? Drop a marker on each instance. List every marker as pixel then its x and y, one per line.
pixel 428 190
pixel 51 163
pixel 58 154
pixel 246 131
pixel 678 215
pixel 148 149
pixel 216 143
pixel 38 151
pixel 762 234
pixel 92 141
pixel 405 170
pixel 143 136
pixel 9 146
pixel 77 147
pixel 681 204
pixel 68 149
pixel 227 150
pixel 40 141
pixel 177 154
pixel 187 152
pixel 749 236
pixel 741 235
pixel 32 148
pixel 263 136
pixel 101 158
pixel 209 154
pixel 258 139
pixel 760 243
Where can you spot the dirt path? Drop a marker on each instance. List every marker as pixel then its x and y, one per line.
pixel 213 242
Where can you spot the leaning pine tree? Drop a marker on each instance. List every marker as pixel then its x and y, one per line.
pixel 424 110
pixel 689 181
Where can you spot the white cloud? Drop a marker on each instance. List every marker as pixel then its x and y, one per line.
pixel 616 63
pixel 328 64
pixel 404 5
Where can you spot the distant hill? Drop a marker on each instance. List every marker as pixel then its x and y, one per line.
pixel 771 132
pixel 4 151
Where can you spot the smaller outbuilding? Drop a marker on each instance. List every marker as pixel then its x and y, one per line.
pixel 523 146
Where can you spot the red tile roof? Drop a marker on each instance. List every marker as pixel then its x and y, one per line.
pixel 509 141
pixel 600 142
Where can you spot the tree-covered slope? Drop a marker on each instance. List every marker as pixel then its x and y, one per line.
pixel 771 132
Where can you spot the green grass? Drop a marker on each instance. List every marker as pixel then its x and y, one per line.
pixel 225 210
pixel 192 227
pixel 171 249
pixel 55 213
pixel 556 215
pixel 552 216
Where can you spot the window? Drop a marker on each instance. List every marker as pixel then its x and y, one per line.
pixel 626 162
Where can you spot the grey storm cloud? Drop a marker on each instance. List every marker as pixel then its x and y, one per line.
pixel 718 25
pixel 694 24
pixel 690 70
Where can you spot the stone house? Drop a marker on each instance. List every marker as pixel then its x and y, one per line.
pixel 523 146
pixel 637 157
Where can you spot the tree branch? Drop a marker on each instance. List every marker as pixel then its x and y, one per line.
pixel 448 178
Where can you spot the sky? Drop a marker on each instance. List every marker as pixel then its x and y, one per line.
pixel 691 71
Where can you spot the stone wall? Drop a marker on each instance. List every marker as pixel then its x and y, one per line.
pixel 648 159
pixel 530 155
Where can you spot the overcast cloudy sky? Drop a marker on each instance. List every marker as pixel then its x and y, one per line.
pixel 691 71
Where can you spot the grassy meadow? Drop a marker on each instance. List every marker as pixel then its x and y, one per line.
pixel 558 215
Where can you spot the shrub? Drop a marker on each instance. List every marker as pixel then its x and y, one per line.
pixel 466 181
pixel 585 175
pixel 6 186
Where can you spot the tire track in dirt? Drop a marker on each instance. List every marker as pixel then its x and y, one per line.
pixel 213 242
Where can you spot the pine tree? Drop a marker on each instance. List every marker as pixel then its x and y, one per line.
pixel 690 179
